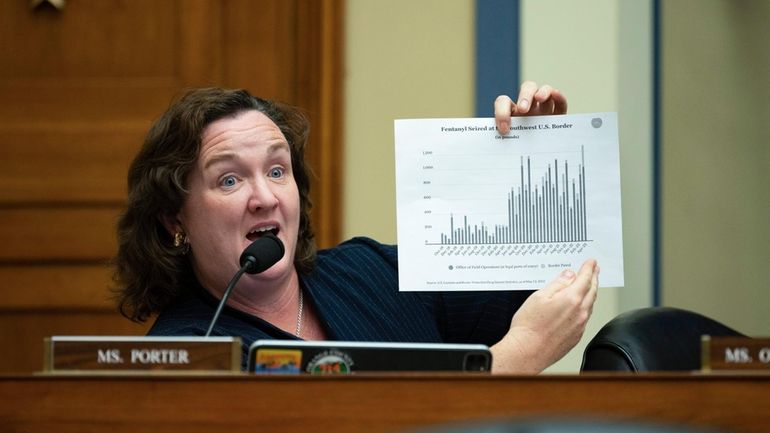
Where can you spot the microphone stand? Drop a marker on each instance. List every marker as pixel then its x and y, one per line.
pixel 257 257
pixel 248 264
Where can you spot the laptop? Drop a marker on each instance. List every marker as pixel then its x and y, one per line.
pixel 345 357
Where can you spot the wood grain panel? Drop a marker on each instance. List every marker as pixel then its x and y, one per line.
pixel 268 69
pixel 107 38
pixel 67 162
pixel 198 52
pixel 79 89
pixel 320 42
pixel 57 235
pixel 27 102
pixel 26 330
pixel 55 287
pixel 377 403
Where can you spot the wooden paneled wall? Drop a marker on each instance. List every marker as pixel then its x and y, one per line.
pixel 80 86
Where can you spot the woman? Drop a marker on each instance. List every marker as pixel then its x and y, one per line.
pixel 221 168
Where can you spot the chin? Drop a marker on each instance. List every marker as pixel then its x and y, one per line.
pixel 283 267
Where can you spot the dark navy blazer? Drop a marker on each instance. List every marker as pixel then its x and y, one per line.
pixel 354 289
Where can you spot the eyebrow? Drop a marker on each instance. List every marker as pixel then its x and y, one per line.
pixel 229 156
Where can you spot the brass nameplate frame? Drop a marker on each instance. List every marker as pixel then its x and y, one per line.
pixel 735 353
pixel 141 354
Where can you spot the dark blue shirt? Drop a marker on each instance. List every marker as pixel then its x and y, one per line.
pixel 354 289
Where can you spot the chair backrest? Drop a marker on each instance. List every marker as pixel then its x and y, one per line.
pixel 651 339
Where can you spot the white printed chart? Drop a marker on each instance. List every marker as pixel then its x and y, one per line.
pixel 481 211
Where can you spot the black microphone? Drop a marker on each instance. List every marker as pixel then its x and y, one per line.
pixel 262 253
pixel 256 258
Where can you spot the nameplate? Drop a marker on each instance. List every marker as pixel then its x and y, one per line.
pixel 142 354
pixel 735 353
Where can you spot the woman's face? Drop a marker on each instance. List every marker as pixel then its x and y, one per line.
pixel 241 187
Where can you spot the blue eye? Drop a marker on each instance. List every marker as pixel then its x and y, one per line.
pixel 228 181
pixel 276 172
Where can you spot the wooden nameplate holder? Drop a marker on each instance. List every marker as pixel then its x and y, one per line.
pixel 141 354
pixel 735 353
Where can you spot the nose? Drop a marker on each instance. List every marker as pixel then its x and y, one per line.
pixel 262 196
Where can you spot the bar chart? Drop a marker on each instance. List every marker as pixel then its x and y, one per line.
pixel 482 211
pixel 551 210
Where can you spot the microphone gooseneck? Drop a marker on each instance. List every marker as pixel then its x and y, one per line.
pixel 257 257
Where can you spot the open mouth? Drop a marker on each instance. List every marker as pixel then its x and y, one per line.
pixel 261 231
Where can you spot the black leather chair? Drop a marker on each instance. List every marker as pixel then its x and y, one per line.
pixel 651 339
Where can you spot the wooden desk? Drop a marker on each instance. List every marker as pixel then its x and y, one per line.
pixel 369 403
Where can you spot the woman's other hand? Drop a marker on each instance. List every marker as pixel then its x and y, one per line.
pixel 549 324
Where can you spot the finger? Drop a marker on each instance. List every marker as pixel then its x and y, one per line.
pixel 504 108
pixel 546 104
pixel 543 94
pixel 582 282
pixel 559 102
pixel 593 292
pixel 565 278
pixel 526 95
pixel 545 108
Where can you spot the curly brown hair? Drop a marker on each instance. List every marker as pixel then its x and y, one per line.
pixel 149 272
